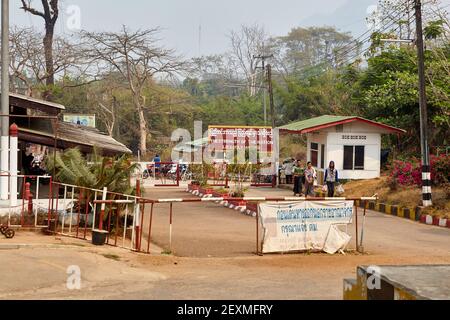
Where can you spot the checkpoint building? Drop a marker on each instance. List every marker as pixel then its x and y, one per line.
pixel 352 142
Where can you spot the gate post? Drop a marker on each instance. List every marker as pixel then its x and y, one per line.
pixel 14 143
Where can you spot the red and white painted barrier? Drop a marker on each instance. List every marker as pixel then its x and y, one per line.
pixel 435 221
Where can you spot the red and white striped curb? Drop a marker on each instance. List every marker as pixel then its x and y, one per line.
pixel 435 221
pixel 225 203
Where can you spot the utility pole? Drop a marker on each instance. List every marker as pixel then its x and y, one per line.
pixel 426 175
pixel 272 106
pixel 4 142
pixel 263 60
pixel 425 151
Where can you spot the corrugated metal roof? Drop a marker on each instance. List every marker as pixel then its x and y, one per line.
pixel 89 136
pixel 199 142
pixel 325 121
pixel 76 134
pixel 314 122
pixel 35 100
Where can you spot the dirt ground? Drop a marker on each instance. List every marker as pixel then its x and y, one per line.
pixel 407 196
pixel 213 259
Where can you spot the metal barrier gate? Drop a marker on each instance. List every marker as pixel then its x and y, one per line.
pixel 81 213
pixel 141 216
pixel 165 174
pixel 263 176
pixel 30 205
pixel 219 176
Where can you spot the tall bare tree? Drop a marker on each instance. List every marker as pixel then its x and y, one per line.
pixel 28 67
pixel 138 58
pixel 49 13
pixel 247 43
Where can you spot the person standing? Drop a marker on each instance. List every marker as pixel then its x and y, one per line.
pixel 289 170
pixel 298 178
pixel 310 176
pixel 331 178
pixel 157 164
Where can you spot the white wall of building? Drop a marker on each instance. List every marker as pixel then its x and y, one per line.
pixel 372 155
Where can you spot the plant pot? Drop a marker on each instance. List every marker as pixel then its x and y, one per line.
pixel 220 195
pixel 99 237
pixel 50 230
pixel 193 187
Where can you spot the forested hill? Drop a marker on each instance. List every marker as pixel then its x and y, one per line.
pixel 141 91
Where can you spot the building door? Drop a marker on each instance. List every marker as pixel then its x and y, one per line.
pixel 314 154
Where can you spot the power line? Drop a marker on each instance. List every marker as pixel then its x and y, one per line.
pixel 368 48
pixel 382 29
pixel 369 31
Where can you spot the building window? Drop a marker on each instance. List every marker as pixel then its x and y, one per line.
pixel 314 154
pixel 354 157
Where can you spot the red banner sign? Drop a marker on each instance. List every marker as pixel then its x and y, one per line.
pixel 229 138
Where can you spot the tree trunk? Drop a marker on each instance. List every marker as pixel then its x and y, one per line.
pixel 142 127
pixel 48 51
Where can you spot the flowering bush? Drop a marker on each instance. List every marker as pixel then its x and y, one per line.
pixel 410 172
pixel 440 169
pixel 404 173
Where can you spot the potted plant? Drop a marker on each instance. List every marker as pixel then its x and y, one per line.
pixel 221 193
pixel 194 185
pixel 238 193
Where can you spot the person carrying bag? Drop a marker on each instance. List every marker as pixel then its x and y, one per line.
pixel 331 178
pixel 310 177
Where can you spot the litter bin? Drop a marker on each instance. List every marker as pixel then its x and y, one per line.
pixel 99 237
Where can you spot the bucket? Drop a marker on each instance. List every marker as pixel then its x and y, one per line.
pixel 99 237
pixel 50 230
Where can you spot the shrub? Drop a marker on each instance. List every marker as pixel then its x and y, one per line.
pixel 440 169
pixel 403 173
pixel 446 187
pixel 410 172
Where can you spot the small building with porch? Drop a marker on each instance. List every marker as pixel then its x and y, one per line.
pixel 352 142
pixel 36 133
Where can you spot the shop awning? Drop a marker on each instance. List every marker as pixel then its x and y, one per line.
pixel 70 136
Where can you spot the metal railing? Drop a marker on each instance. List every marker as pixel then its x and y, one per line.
pixel 29 206
pixel 153 202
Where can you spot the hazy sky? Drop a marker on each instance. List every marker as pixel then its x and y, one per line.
pixel 180 20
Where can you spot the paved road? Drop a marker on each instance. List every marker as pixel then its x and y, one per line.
pixel 232 271
pixel 208 229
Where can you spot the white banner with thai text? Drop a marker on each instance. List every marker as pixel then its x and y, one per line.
pixel 306 225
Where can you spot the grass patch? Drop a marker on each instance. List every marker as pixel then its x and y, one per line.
pixel 404 196
pixel 166 252
pixel 111 256
pixel 74 244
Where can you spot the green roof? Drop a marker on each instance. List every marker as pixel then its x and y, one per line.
pixel 199 142
pixel 329 121
pixel 314 122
